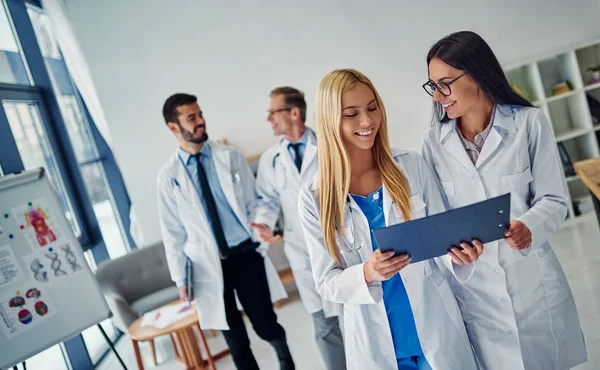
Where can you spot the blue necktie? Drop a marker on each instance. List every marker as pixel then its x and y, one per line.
pixel 211 206
pixel 297 159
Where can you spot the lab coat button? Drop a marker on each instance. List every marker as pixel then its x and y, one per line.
pixel 510 332
pixel 503 300
pixel 498 270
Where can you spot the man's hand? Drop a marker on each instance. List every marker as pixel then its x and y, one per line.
pixel 264 233
pixel 183 293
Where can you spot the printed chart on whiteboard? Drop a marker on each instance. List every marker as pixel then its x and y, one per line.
pixel 38 224
pixel 10 271
pixel 52 264
pixel 25 309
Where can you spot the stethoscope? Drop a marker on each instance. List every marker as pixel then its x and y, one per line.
pixel 350 246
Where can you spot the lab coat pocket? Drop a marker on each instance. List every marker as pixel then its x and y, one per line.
pixel 517 180
pixel 187 207
pixel 432 272
pixel 448 187
pixel 180 198
pixel 518 185
pixel 555 284
pixel 280 179
pixel 236 180
pixel 418 208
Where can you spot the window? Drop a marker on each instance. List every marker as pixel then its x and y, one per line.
pixel 90 162
pixel 25 120
pixel 13 68
pixel 47 125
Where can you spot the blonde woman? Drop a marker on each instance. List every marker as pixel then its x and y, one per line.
pixel 397 315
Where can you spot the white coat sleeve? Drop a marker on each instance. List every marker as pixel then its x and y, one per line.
pixel 172 230
pixel 548 195
pixel 433 197
pixel 333 283
pixel 248 182
pixel 268 206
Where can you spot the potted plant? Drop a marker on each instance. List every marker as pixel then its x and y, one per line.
pixel 595 70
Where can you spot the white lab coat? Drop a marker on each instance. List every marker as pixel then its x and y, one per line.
pixel 518 307
pixel 187 232
pixel 368 338
pixel 277 185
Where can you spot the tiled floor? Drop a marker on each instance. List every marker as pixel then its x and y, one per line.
pixel 577 247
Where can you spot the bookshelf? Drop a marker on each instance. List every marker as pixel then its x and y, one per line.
pixel 574 114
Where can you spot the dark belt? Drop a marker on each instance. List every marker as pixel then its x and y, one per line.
pixel 244 247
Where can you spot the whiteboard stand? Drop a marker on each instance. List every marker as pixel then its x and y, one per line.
pixel 43 273
pixel 110 344
pixel 23 364
pixel 108 341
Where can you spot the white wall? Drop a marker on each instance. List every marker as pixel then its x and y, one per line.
pixel 231 54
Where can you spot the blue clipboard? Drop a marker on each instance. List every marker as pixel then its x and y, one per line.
pixel 189 277
pixel 433 236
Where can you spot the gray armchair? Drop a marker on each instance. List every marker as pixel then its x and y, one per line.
pixel 136 283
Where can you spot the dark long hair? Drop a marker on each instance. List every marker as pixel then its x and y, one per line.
pixel 468 52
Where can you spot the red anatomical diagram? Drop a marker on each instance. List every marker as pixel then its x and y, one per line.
pixel 37 218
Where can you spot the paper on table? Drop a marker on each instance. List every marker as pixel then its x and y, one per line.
pixel 165 316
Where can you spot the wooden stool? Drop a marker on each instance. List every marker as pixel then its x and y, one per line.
pixel 183 340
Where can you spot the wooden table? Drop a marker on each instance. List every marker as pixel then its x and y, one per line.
pixel 589 172
pixel 182 338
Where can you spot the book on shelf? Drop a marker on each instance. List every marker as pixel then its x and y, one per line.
pixel 561 88
pixel 594 105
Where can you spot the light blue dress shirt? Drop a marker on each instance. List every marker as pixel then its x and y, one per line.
pixel 302 141
pixel 234 231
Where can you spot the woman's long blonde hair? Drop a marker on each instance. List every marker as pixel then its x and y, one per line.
pixel 334 165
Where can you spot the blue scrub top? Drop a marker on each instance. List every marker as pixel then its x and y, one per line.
pixel 395 298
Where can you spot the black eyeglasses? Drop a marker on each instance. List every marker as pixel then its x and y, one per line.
pixel 443 87
pixel 272 112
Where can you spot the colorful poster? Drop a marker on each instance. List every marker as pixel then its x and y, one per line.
pixel 36 221
pixel 24 309
pixel 10 271
pixel 54 263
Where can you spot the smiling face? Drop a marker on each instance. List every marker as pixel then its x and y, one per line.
pixel 191 126
pixel 280 116
pixel 464 92
pixel 361 117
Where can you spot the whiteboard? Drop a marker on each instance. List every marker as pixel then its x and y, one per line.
pixel 48 294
